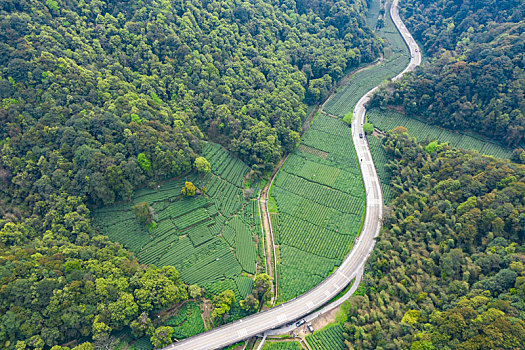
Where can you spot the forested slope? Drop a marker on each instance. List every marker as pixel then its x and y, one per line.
pixel 99 98
pixel 448 269
pixel 92 85
pixel 475 77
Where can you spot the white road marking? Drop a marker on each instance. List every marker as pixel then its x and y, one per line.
pixel 281 318
pixel 242 333
pixel 310 305
pixel 342 274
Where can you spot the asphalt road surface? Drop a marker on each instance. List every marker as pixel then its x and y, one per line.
pixel 352 265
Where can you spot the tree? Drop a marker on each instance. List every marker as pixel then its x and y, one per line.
pixel 261 286
pixel 202 165
pixel 144 162
pixel 431 147
pixel 162 336
pixel 188 189
pixel 144 213
pixel 349 118
pixel 142 325
pixel 222 304
pixel 368 128
pixel 250 303
pixel 195 291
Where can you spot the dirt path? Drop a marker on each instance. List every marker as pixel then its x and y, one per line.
pixel 267 226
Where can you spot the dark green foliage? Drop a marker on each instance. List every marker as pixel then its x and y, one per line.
pixel 475 80
pixel 446 270
pixel 144 213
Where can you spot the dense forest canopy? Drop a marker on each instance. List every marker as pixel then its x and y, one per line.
pixel 475 80
pixel 88 86
pixel 99 98
pixel 448 269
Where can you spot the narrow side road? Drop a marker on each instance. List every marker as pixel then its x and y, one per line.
pixel 351 267
pixel 271 257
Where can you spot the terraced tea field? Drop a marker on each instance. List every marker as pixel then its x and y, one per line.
pixel 387 120
pixel 282 345
pixel 187 322
pixel 210 239
pixel 320 199
pixel 329 338
pixel 395 60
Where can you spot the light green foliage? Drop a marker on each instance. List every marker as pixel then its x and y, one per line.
pixel 348 118
pixel 319 195
pixel 155 98
pixel 368 128
pixel 144 162
pixel 135 118
pixel 222 304
pixel 469 204
pixel 188 189
pixel 202 165
pixel 195 291
pixel 411 317
pixel 422 345
pixel 162 336
pixel 431 147
pixel 52 5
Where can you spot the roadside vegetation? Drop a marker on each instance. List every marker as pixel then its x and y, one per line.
pixel 386 120
pixel 447 271
pixel 474 80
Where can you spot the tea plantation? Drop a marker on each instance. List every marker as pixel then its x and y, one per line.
pixel 320 199
pixel 209 238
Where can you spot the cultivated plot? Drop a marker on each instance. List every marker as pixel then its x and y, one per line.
pixel 209 238
pixel 388 119
pixel 396 58
pixel 320 198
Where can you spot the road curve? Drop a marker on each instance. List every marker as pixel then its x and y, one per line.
pixel 352 266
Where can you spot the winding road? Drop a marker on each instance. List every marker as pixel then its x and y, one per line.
pixel 351 267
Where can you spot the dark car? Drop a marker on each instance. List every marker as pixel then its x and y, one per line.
pixel 360 135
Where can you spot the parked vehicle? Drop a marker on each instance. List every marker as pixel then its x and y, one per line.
pixel 360 135
pixel 300 323
pixel 310 328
